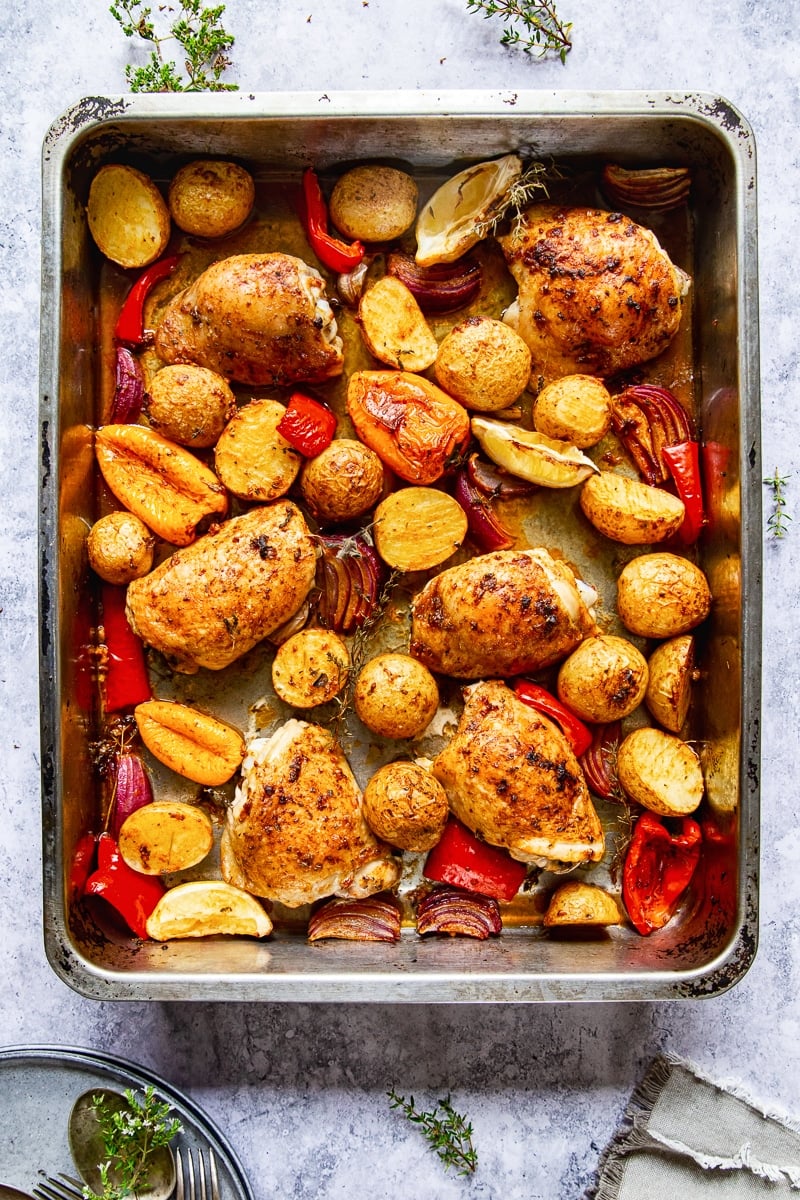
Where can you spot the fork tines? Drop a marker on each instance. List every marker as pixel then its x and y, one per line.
pixel 197 1178
pixel 63 1188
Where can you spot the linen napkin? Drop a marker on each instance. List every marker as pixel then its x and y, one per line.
pixel 684 1137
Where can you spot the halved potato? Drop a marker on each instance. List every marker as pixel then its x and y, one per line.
pixel 576 408
pixel 576 903
pixel 128 217
pixel 417 528
pixel 669 688
pixel 394 327
pixel 204 907
pixel 165 836
pixel 252 459
pixel 395 696
pixel 189 742
pixel 629 511
pixel 660 772
pixel 603 680
pixel 210 198
pixel 662 595
pixel 310 668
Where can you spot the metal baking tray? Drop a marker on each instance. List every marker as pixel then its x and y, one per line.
pixel 712 943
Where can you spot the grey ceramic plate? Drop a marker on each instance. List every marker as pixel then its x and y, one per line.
pixel 38 1086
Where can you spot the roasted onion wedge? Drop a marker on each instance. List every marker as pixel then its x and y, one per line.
pixel 458 913
pixel 374 919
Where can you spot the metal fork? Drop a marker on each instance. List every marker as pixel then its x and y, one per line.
pixel 63 1188
pixel 198 1179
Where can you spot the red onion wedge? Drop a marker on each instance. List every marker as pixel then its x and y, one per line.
pixel 441 288
pixel 126 406
pixel 374 919
pixel 349 579
pixel 484 527
pixel 458 913
pixel 646 419
pixel 495 483
pixel 599 761
pixel 132 790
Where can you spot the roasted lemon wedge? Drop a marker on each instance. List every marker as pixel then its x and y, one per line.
pixel 462 210
pixel 207 906
pixel 531 455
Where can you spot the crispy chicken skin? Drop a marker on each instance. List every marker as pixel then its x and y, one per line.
pixel 296 830
pixel 499 614
pixel 260 319
pixel 596 291
pixel 511 777
pixel 212 601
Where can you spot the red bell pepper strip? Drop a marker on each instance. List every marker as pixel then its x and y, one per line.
pixel 131 894
pixel 81 864
pixel 307 425
pixel 658 869
pixel 461 859
pixel 683 462
pixel 338 256
pixel 130 322
pixel 126 682
pixel 574 730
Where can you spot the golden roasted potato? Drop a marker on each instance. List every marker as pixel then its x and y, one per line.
pixel 394 326
pixel 395 696
pixel 629 511
pixel 576 409
pixel 662 595
pixel 417 528
pixel 310 668
pixel 252 459
pixel 128 218
pixel 374 204
pixel 483 364
pixel 207 906
pixel 191 743
pixel 603 680
pixel 576 903
pixel 406 806
pixel 669 687
pixel 210 198
pixel 189 405
pixel 343 481
pixel 165 836
pixel 120 548
pixel 660 772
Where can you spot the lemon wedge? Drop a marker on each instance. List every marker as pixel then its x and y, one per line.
pixel 456 216
pixel 531 455
pixel 207 906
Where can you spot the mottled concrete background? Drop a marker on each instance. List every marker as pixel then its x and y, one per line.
pixel 300 1089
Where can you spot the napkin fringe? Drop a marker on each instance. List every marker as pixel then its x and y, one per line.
pixel 772 1112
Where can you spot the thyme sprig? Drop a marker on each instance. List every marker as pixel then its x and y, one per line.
pixel 449 1134
pixel 531 26
pixel 199 33
pixel 131 1135
pixel 779 518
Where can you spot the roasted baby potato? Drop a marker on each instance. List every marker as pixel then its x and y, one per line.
pixel 483 364
pixel 209 198
pixel 395 696
pixel 576 903
pixel 374 204
pixel 128 218
pixel 191 743
pixel 394 327
pixel 662 595
pixel 669 687
pixel 603 680
pixel 406 806
pixel 165 836
pixel 342 482
pixel 576 409
pixel 418 528
pixel 207 906
pixel 629 511
pixel 189 405
pixel 120 548
pixel 660 772
pixel 310 668
pixel 252 459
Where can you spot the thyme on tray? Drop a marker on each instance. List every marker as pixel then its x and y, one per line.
pixel 449 1134
pixel 130 1136
pixel 778 519
pixel 198 32
pixel 532 27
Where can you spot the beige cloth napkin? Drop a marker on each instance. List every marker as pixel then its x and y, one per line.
pixel 684 1137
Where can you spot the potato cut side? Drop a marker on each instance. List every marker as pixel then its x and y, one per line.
pixel 205 907
pixel 669 688
pixel 576 903
pixel 310 668
pixel 252 459
pixel 629 511
pixel 165 836
pixel 394 327
pixel 191 743
pixel 531 455
pixel 660 772
pixel 418 528
pixel 128 217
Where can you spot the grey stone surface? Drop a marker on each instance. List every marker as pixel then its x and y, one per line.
pixel 301 1089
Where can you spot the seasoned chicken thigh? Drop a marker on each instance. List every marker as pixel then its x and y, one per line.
pixel 597 293
pixel 296 831
pixel 511 777
pixel 499 614
pixel 257 318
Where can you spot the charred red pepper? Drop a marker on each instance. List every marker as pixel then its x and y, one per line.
pixel 130 322
pixel 126 682
pixel 338 256
pixel 577 734
pixel 658 869
pixel 131 894
pixel 466 862
pixel 683 462
pixel 307 425
pixel 81 864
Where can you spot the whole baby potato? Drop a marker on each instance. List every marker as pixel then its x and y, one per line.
pixel 575 409
pixel 189 405
pixel 120 548
pixel 374 204
pixel 395 696
pixel 343 481
pixel 662 595
pixel 209 198
pixel 669 687
pixel 483 363
pixel 603 680
pixel 406 806
pixel 660 772
pixel 629 511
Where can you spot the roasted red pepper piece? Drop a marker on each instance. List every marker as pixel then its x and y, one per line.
pixel 658 869
pixel 130 322
pixel 307 425
pixel 338 256
pixel 81 864
pixel 131 894
pixel 126 681
pixel 577 734
pixel 461 859
pixel 683 462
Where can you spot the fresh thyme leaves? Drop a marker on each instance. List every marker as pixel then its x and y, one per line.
pixel 446 1130
pixel 778 519
pixel 198 32
pixel 130 1136
pixel 532 27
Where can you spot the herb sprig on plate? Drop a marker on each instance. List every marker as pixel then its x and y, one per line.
pixel 130 1136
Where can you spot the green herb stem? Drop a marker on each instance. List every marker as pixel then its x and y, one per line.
pixel 532 27
pixel 449 1134
pixel 779 518
pixel 199 33
pixel 130 1136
